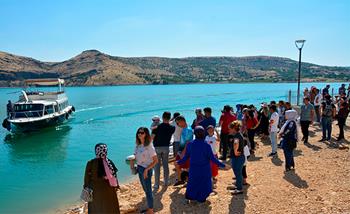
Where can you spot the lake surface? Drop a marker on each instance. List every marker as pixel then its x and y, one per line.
pixel 40 172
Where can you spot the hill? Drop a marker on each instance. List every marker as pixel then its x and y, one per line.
pixel 92 67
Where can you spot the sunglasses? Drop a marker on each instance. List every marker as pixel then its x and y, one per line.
pixel 140 132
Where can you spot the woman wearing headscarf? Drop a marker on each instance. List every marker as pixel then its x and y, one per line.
pixel 146 159
pixel 101 177
pixel 289 134
pixel 199 184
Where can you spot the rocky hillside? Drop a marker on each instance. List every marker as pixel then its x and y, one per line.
pixel 95 68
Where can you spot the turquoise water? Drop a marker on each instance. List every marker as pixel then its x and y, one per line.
pixel 40 172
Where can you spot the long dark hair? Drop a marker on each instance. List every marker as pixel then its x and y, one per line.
pixel 147 136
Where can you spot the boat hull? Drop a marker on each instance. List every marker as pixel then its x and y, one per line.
pixel 39 124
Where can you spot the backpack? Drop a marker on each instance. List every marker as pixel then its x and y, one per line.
pixel 328 110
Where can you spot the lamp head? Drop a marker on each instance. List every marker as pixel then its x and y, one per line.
pixel 299 43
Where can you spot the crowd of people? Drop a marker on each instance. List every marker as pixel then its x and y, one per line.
pixel 199 147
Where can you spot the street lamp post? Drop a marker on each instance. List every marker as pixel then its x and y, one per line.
pixel 299 44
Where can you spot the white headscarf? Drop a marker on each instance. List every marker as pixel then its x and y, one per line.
pixel 291 115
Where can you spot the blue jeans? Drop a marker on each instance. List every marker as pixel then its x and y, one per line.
pixel 273 138
pixel 146 185
pixel 163 157
pixel 237 166
pixel 326 127
pixel 288 154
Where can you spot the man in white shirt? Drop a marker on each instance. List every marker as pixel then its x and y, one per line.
pixel 274 119
pixel 317 104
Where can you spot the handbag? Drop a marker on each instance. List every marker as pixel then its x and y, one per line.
pixel 86 194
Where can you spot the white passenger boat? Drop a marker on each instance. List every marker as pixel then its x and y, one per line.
pixel 38 106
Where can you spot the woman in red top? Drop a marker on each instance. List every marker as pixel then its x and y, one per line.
pixel 251 124
pixel 227 117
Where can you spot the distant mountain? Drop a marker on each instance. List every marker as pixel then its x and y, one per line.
pixel 92 67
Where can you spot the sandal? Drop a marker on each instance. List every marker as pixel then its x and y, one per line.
pixel 231 188
pixel 236 192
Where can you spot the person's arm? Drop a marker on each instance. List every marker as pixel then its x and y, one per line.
pixel 186 155
pixel 132 164
pixel 334 112
pixel 184 151
pixel 256 123
pixel 213 158
pixel 235 147
pixel 217 134
pixel 312 114
pixel 87 176
pixel 193 124
pixel 221 121
pixel 132 161
pixel 155 161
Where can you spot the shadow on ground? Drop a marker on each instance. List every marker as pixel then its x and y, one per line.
pixel 313 147
pixel 295 179
pixel 237 204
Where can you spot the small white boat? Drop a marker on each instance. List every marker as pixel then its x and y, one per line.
pixel 37 109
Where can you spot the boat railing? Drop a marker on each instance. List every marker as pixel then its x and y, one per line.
pixel 26 114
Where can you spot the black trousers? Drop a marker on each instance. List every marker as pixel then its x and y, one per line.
pixel 341 124
pixel 318 116
pixel 225 145
pixel 251 134
pixel 305 129
pixel 244 172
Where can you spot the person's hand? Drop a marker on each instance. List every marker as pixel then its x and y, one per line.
pixel 145 173
pixel 226 167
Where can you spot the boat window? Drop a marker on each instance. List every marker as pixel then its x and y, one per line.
pixel 28 110
pixel 49 109
pixel 28 107
pixel 56 108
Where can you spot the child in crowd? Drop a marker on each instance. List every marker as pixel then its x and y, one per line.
pixel 211 139
pixel 246 155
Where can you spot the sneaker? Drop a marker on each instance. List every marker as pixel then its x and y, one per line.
pixel 236 192
pixel 272 154
pixel 340 138
pixel 178 183
pixel 155 188
pixel 323 139
pixel 233 187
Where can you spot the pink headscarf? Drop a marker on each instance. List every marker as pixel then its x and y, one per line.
pixel 111 174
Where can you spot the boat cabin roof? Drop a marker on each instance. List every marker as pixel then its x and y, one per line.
pixel 44 82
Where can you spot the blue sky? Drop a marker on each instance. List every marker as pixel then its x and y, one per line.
pixel 51 30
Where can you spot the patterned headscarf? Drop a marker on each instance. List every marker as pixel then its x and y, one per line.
pixel 110 170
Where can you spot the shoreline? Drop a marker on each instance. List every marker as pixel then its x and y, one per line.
pixel 197 83
pixel 304 191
